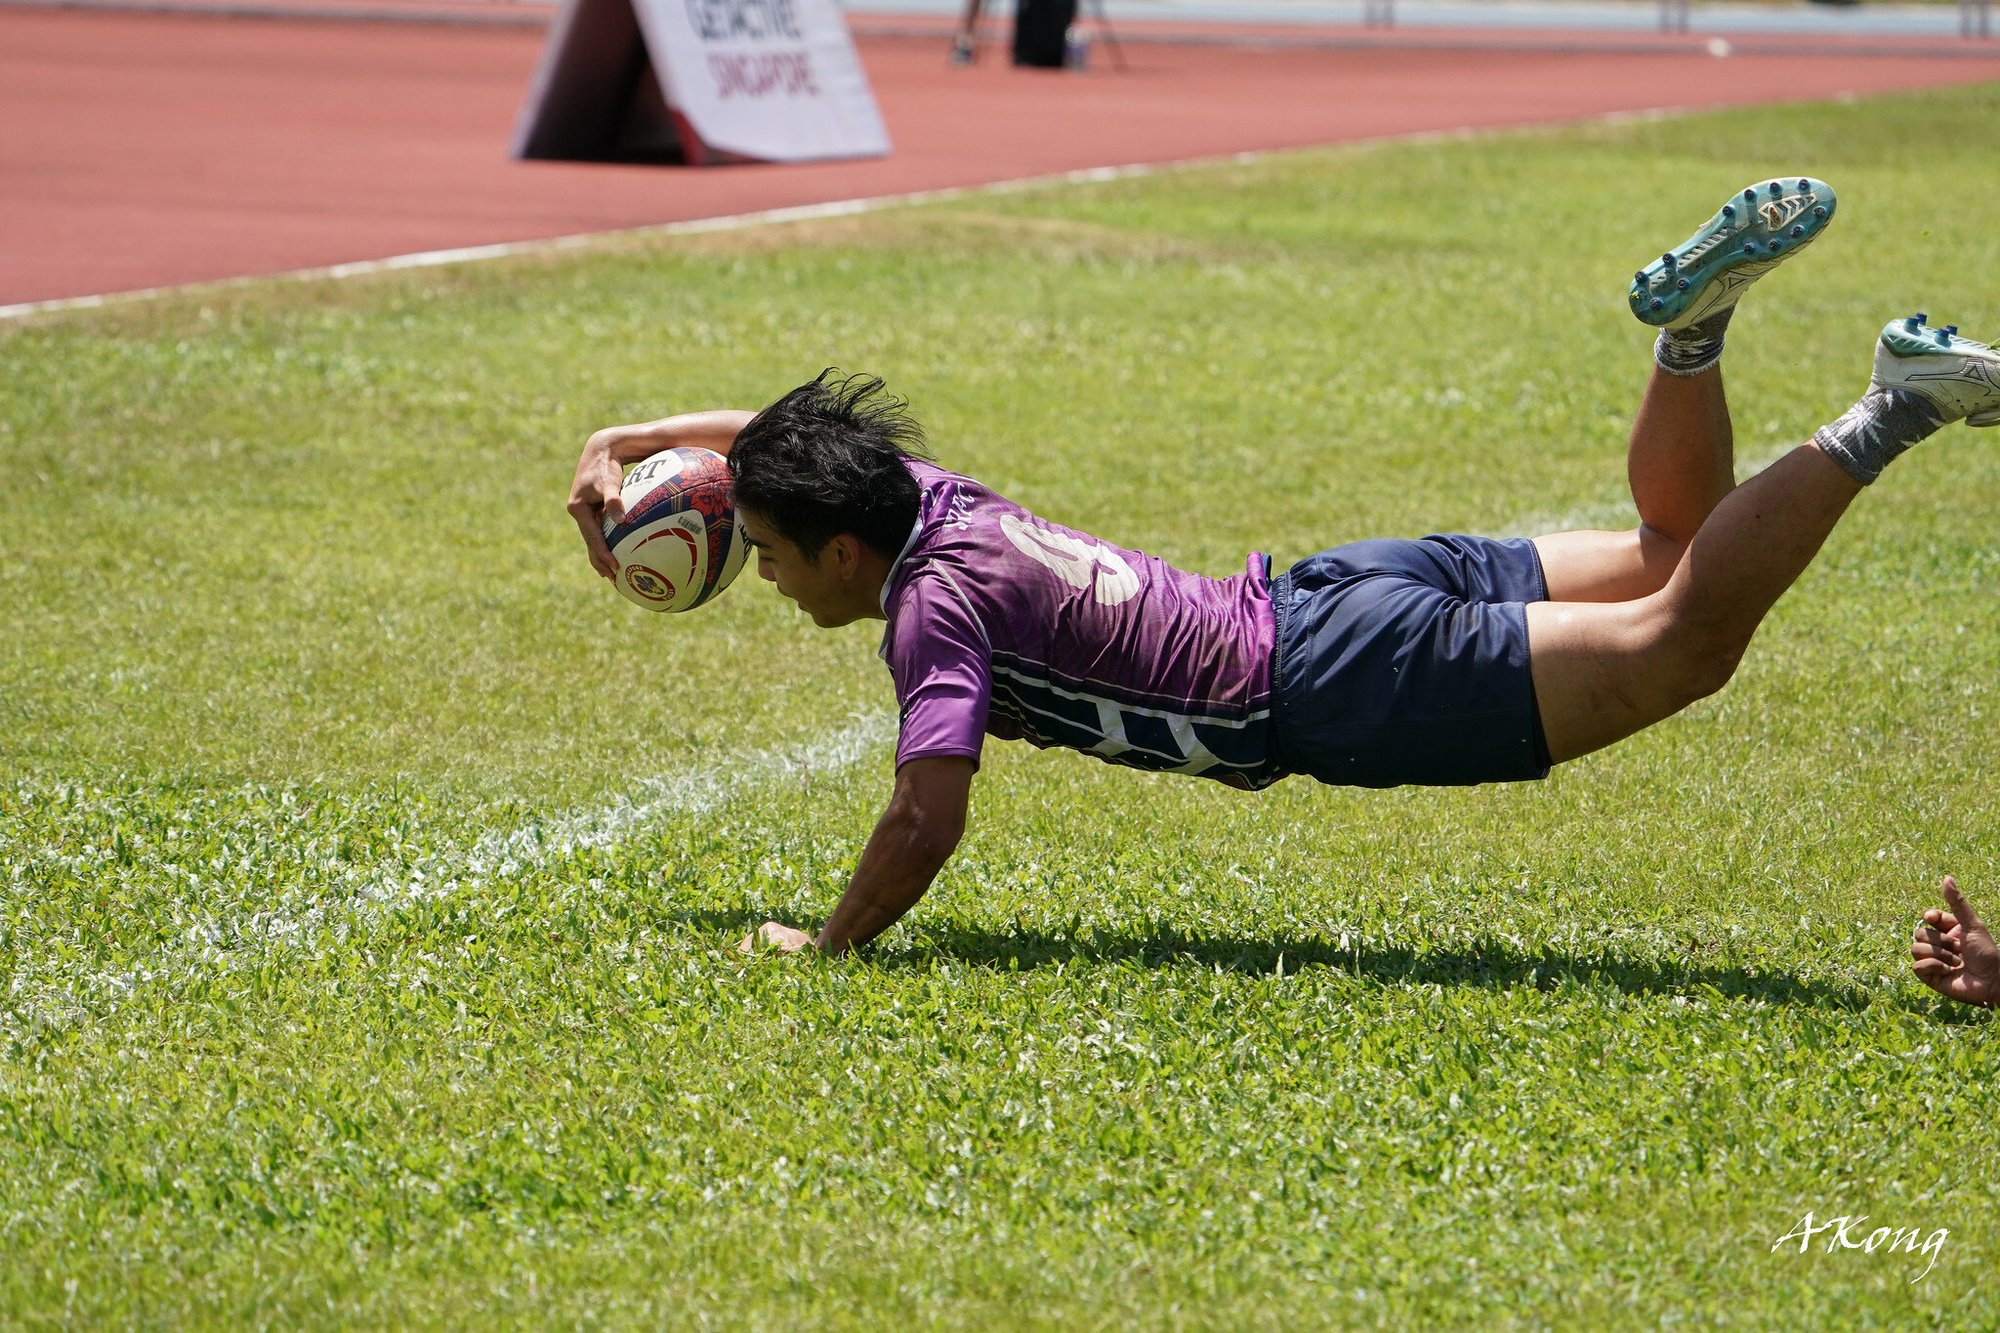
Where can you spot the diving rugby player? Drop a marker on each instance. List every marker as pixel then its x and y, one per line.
pixel 1444 660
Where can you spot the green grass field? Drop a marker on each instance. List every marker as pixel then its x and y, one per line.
pixel 372 873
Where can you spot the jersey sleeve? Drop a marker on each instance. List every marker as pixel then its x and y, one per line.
pixel 941 661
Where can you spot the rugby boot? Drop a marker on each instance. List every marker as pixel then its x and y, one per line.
pixel 1959 376
pixel 1758 229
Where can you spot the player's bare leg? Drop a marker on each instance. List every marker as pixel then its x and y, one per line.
pixel 1605 670
pixel 1680 460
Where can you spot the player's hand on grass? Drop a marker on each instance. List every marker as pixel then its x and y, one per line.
pixel 594 497
pixel 776 935
pixel 1954 952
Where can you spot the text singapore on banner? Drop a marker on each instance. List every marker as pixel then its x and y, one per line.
pixel 775 80
pixel 741 80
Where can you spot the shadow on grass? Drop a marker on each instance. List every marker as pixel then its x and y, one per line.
pixel 1494 965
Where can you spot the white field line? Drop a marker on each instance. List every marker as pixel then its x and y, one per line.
pixel 838 208
pixel 365 894
pixel 1618 514
pixel 801 213
pixel 680 794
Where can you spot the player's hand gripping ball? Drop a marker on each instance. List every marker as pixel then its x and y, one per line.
pixel 679 544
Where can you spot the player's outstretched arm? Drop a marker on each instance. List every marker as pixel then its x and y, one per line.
pixel 600 472
pixel 914 838
pixel 1954 954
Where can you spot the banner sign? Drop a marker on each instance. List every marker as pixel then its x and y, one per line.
pixel 724 80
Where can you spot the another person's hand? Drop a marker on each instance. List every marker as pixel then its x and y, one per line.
pixel 775 935
pixel 594 497
pixel 1954 952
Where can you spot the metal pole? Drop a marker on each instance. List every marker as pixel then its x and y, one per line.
pixel 1110 37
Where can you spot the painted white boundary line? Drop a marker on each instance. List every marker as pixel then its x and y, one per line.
pixel 800 213
pixel 585 240
pixel 1622 513
pixel 369 893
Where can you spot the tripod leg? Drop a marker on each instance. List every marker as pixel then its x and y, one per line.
pixel 1103 22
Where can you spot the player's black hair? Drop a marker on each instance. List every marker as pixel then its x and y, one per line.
pixel 827 458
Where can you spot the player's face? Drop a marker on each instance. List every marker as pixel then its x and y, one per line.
pixel 814 586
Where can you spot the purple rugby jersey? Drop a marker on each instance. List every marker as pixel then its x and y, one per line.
pixel 1003 624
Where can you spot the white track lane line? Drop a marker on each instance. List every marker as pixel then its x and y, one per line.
pixel 586 240
pixel 808 212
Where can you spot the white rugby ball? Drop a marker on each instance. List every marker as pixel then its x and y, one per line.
pixel 678 545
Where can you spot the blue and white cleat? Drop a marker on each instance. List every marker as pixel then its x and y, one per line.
pixel 1960 376
pixel 1760 228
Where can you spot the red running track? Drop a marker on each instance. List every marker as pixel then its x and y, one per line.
pixel 145 150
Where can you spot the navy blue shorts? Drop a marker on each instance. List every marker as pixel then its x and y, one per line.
pixel 1407 662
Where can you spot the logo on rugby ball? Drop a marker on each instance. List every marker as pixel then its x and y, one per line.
pixel 648 583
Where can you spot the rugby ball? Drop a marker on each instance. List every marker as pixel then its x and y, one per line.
pixel 678 545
